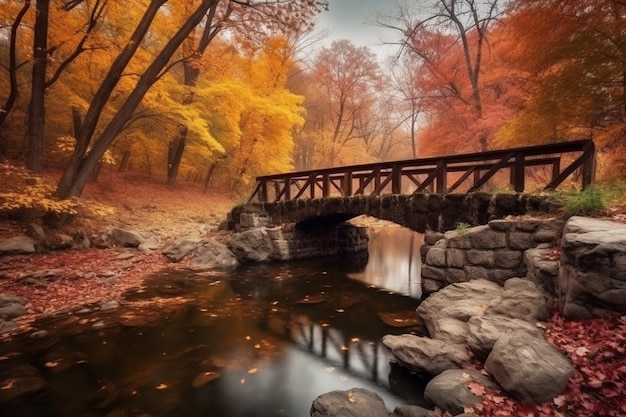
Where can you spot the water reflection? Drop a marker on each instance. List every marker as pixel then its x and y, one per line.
pixel 394 258
pixel 260 341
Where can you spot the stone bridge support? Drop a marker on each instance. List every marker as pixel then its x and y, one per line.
pixel 419 212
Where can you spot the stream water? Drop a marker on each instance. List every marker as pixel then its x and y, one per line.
pixel 263 340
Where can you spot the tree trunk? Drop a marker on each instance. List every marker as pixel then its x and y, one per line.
pixel 36 109
pixel 77 121
pixel 209 176
pixel 124 162
pixel 175 155
pixel 191 75
pixel 75 178
pixel 101 98
pixel 13 87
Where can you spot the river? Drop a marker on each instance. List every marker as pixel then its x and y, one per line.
pixel 263 340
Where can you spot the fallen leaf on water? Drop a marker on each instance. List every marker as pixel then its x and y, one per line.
pixel 204 378
pixel 8 385
pixel 253 370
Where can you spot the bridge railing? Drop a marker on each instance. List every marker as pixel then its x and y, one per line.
pixel 433 174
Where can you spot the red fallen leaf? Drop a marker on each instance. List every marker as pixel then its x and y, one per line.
pixel 560 401
pixel 498 399
pixel 476 388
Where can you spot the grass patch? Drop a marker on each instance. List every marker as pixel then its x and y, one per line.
pixel 462 228
pixel 593 200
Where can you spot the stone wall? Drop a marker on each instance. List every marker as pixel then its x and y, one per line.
pixel 582 262
pixel 494 252
pixel 592 277
pixel 288 242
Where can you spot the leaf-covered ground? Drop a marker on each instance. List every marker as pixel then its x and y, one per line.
pixel 75 278
pixel 597 349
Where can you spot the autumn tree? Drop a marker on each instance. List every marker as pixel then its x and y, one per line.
pixel 573 57
pixel 42 52
pixel 449 45
pixel 347 78
pixel 11 69
pixel 91 147
pixel 250 22
pixel 410 96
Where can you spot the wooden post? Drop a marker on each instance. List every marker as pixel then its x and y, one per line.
pixel 441 177
pixel 589 166
pixel 277 192
pixel 287 188
pixel 518 173
pixel 396 179
pixel 347 184
pixel 325 185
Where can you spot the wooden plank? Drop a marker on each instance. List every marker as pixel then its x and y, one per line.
pixel 518 173
pixel 556 181
pixel 325 185
pixel 442 176
pixel 483 165
pixel 428 181
pixel 491 172
pixel 309 183
pixel 463 178
pixel 365 182
pixel 396 179
pixel 589 166
pixel 347 184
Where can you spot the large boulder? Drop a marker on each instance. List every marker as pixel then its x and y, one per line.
pixel 422 354
pixel 356 402
pixel 212 254
pixel 528 368
pixel 592 278
pixel 459 301
pixel 520 299
pixel 253 245
pixel 181 248
pixel 484 331
pixel 126 238
pixel 17 245
pixel 450 390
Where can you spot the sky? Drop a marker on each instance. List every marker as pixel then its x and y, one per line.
pixel 355 20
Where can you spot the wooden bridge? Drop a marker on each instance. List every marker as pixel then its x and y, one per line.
pixel 465 173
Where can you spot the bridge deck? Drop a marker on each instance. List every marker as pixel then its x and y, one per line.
pixel 433 174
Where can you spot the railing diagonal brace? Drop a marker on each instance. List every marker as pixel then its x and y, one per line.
pixel 492 171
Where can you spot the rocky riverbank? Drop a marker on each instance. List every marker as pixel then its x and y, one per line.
pixel 495 344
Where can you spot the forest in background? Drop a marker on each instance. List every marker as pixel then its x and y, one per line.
pixel 221 91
